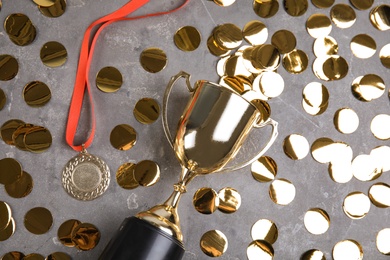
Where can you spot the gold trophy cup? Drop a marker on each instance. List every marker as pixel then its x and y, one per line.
pixel 211 131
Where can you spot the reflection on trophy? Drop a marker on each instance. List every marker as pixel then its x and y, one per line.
pixel 213 127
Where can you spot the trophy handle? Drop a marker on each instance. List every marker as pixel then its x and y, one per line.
pixel 272 139
pixel 168 90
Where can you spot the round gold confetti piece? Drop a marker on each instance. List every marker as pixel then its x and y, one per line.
pixel 229 200
pixel 315 94
pixel 368 87
pixel 64 232
pixel 284 40
pixel 123 137
pixel 296 61
pixel 271 84
pixel 20 188
pixel 265 8
pixel 147 173
pixel 5 215
pixel 256 93
pixel 146 111
pixel 53 54
pixel 9 67
pixel 346 120
pixel 36 94
pixel 265 57
pixel 260 249
pixel 318 25
pixel 10 171
pixel 335 67
pixel 8 129
pixel 187 38
pixel 321 149
pixel 282 192
pixel 224 2
pixel 14 255
pixel 264 229
pixel 228 36
pixel 55 10
pixel 34 256
pixel 38 220
pixel 215 49
pixel 296 146
pixel 314 111
pixel 206 200
pixel 362 4
pixel 342 15
pixel 340 171
pixel 363 46
pixel 318 67
pixel 356 205
pixel 45 3
pixel 264 108
pixel 221 66
pixel 380 156
pixel 382 241
pixel 85 236
pixel 322 3
pixel 316 221
pixel 264 169
pixel 255 32
pixel 296 7
pixel 234 83
pixel 347 250
pixel 109 79
pixel 153 60
pixel 8 231
pixel 214 243
pixel 384 56
pixel 3 99
pixel 380 17
pixel 364 168
pixel 325 46
pixel 19 134
pixel 380 126
pixel 58 256
pixel 20 29
pixel 379 194
pixel 313 254
pixel 125 176
pixel 234 66
pixel 37 139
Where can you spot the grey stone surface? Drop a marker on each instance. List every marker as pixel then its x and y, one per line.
pixel 120 45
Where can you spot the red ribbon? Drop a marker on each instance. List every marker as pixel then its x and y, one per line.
pixel 86 55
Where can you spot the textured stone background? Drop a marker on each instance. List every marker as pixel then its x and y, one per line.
pixel 120 45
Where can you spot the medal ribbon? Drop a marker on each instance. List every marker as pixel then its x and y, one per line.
pixel 86 54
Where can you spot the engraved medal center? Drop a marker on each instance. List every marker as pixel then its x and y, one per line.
pixel 86 177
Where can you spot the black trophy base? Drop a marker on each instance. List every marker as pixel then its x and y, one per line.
pixel 137 239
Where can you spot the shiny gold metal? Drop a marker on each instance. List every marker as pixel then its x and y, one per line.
pixel 53 54
pixel 325 46
pixel 265 8
pixel 9 67
pixel 256 93
pixel 271 84
pixel 296 146
pixel 187 38
pixel 55 10
pixel 125 176
pixel 36 94
pixel 313 254
pixel 146 110
pixel 147 173
pixel 5 215
pixel 379 194
pixel 10 171
pixel 20 29
pixel 85 236
pixel 234 66
pixel 380 126
pixel 153 60
pixel 8 129
pixel 228 36
pixel 340 171
pixel 379 17
pixel 123 137
pixel 282 192
pixel 322 4
pixel 3 99
pixel 382 241
pixel 356 205
pixel 224 2
pixel 264 108
pixel 38 220
pixel 58 256
pixel 342 15
pixel 315 94
pixel 234 83
pixel 19 134
pixel 346 121
pixel 45 3
pixel 316 221
pixel 65 231
pixel 206 200
pixel 20 188
pixel 295 61
pixel 7 232
pixel 265 229
pixel 384 56
pixel 347 249
pixel 296 7
pixel 260 249
pixel 109 79
pixel 318 67
pixel 368 87
pixel 318 25
pixel 380 156
pixel 363 46
pixel 335 67
pixel 284 40
pixel 221 66
pixel 255 32
pixel 321 149
pixel 264 169
pixel 364 168
pixel 14 255
pixel 37 139
pixel 34 256
pixel 362 4
pixel 214 243
pixel 229 200
pixel 215 49
pixel 265 57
